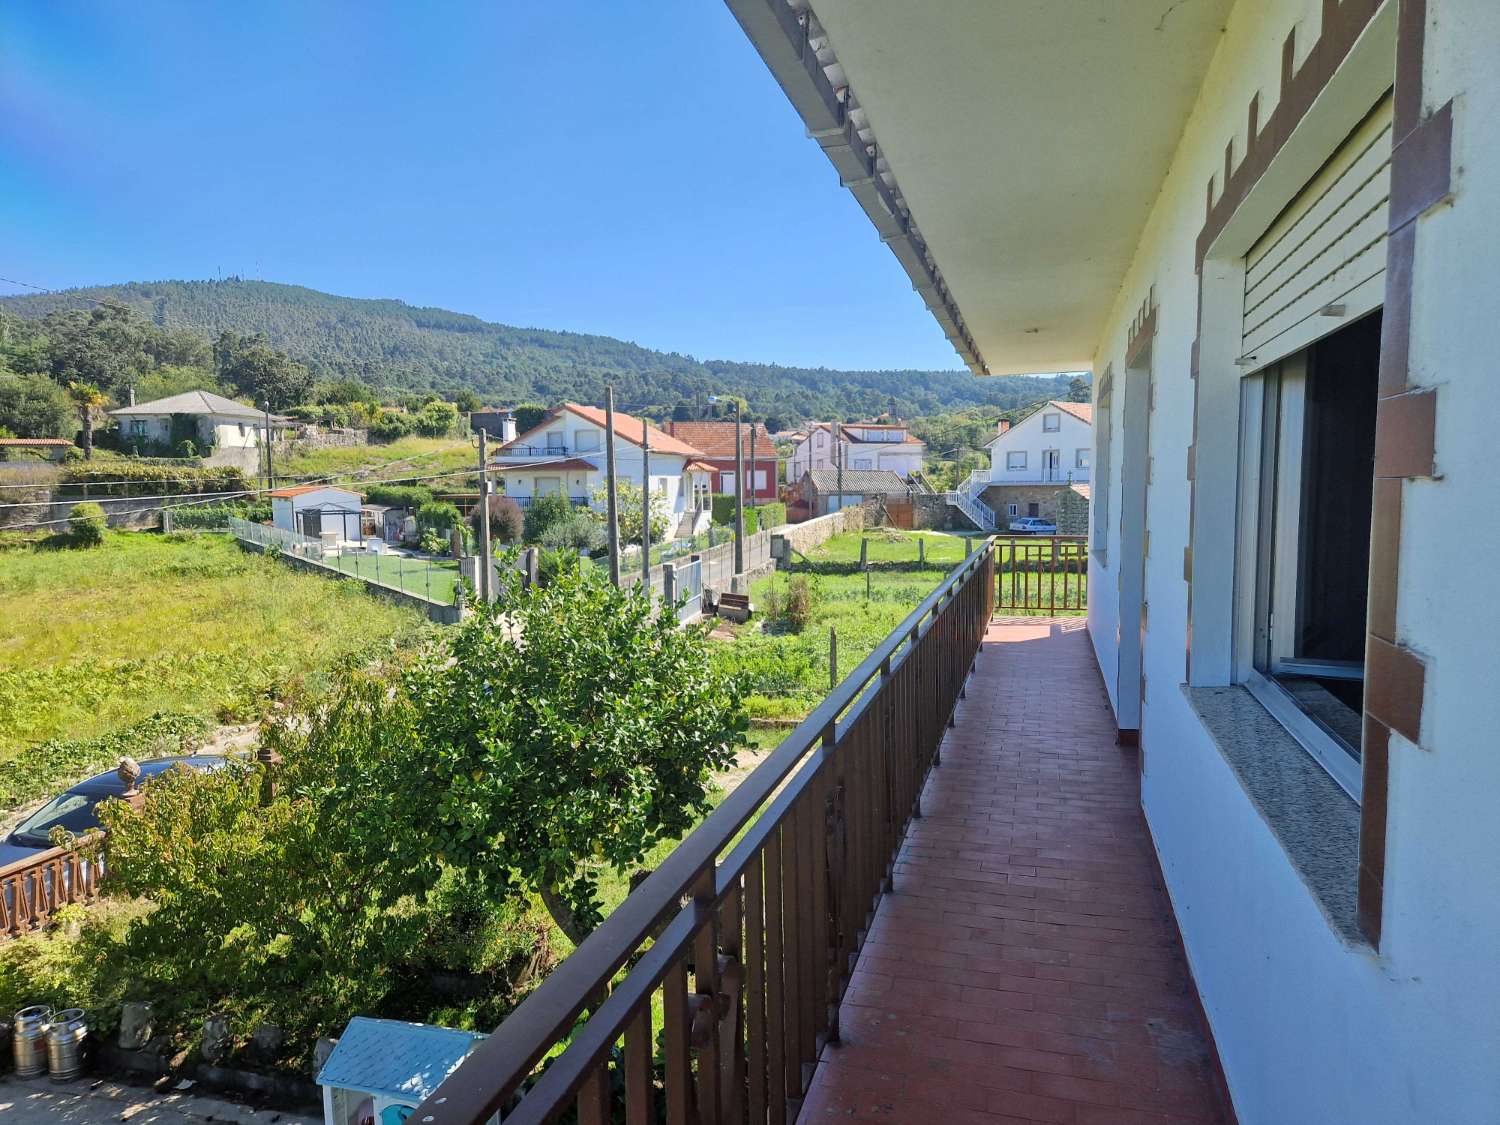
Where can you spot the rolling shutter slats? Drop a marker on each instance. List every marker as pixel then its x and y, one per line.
pixel 1327 248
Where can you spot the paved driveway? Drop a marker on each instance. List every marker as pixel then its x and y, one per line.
pixel 37 1101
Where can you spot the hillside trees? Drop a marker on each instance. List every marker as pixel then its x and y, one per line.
pixel 34 407
pixel 260 372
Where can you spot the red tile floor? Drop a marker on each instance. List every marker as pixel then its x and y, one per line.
pixel 1026 966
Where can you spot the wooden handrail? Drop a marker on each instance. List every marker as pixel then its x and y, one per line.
pixel 32 889
pixel 792 896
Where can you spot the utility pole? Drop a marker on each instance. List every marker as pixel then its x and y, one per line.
pixel 739 491
pixel 612 488
pixel 838 452
pixel 754 483
pixel 270 474
pixel 486 594
pixel 646 506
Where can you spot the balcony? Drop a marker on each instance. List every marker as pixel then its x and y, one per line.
pixel 524 502
pixel 935 901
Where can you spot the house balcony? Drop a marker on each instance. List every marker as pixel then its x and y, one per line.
pixel 524 502
pixel 936 900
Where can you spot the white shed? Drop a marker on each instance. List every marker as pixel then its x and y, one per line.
pixel 314 509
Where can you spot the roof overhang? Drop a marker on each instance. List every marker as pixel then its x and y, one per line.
pixel 1008 153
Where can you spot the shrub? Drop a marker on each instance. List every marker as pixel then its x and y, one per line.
pixel 436 419
pixel 41 768
pixel 438 515
pixel 629 497
pixel 543 513
pixel 86 522
pixel 143 478
pixel 723 514
pixel 208 517
pixel 506 519
pixel 794 604
pixel 579 531
pixel 390 426
pixel 770 515
pixel 411 496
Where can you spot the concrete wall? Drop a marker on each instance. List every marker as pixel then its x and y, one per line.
pixel 1312 1026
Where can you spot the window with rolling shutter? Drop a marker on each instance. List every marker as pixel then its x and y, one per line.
pixel 1321 264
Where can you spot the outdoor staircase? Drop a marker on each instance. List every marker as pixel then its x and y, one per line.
pixel 966 499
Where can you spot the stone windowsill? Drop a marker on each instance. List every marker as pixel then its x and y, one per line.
pixel 1316 822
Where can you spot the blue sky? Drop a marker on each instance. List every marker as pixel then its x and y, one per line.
pixel 614 167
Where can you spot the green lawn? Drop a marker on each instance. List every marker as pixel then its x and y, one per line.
pixel 94 639
pixel 788 673
pixel 1024 580
pixel 433 580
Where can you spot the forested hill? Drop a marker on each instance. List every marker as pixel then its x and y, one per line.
pixel 388 343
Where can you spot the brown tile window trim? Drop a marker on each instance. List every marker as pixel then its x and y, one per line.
pixel 1142 332
pixel 1405 435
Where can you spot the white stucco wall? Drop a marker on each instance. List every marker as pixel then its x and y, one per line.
pixel 576 437
pixel 1311 1029
pixel 1030 438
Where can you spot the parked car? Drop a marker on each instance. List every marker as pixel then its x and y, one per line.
pixel 77 810
pixel 1033 525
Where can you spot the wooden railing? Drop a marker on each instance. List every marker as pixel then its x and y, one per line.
pixel 744 938
pixel 32 890
pixel 1042 574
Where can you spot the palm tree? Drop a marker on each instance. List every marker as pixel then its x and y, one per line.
pixel 86 399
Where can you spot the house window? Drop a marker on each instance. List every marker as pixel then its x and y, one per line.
pixel 1099 501
pixel 1033 509
pixel 726 483
pixel 1015 459
pixel 1012 509
pixel 586 441
pixel 555 441
pixel 1308 446
pixel 138 427
pixel 862 463
pixel 1051 423
pixel 1081 459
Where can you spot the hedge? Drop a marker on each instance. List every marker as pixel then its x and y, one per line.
pixel 770 515
pixel 209 517
pixel 137 478
pixel 411 496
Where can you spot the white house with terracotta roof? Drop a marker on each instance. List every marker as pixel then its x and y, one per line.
pixel 1051 445
pixel 565 453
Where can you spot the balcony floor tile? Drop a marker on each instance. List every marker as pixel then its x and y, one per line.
pixel 1026 967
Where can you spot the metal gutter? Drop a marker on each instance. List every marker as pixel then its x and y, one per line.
pixel 801 59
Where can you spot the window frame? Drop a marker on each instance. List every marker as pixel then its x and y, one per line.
pixel 1081 457
pixel 1103 438
pixel 1052 423
pixel 1273 404
pixel 1010 460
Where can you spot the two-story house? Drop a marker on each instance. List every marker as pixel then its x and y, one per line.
pixel 874 445
pixel 1040 466
pixel 565 453
pixel 716 441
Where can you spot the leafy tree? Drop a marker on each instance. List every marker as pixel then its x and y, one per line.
pixel 629 500
pixel 507 522
pixel 103 346
pixel 436 419
pixel 543 512
pixel 580 531
pixel 1078 390
pixel 529 415
pixel 261 373
pixel 683 412
pixel 33 406
pixel 344 391
pixel 87 400
pixel 466 401
pixel 533 766
pixel 438 515
pixel 390 426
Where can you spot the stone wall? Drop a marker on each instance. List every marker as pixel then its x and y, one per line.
pixel 1049 499
pixel 805 536
pixel 931 512
pixel 1072 513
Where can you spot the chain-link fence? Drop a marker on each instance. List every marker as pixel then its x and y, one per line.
pixel 433 580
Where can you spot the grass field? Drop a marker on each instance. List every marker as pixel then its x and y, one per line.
pixel 788 673
pixel 94 639
pixel 409 456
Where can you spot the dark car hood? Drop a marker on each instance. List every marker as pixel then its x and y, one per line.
pixel 14 853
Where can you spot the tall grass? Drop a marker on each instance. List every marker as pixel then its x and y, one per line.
pixel 91 640
pixel 417 456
